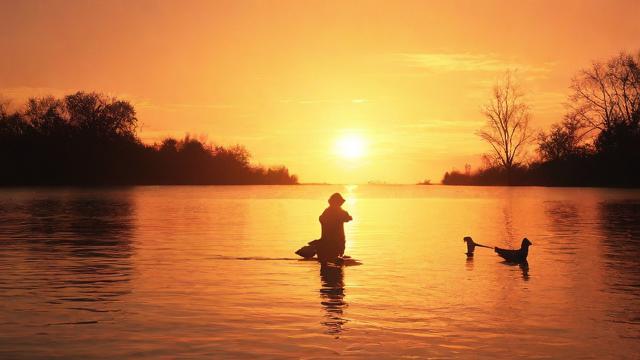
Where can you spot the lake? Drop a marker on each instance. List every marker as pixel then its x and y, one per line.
pixel 209 272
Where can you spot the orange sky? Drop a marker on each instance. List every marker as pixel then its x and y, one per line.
pixel 289 79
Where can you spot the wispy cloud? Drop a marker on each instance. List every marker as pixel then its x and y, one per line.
pixel 324 101
pixel 173 107
pixel 466 62
pixel 22 93
pixel 197 106
pixel 444 125
pixel 18 95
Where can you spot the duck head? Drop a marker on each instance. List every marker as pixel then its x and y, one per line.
pixel 526 242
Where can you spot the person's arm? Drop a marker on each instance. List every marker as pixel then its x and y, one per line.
pixel 323 217
pixel 347 217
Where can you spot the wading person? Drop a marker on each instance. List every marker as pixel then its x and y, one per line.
pixel 331 244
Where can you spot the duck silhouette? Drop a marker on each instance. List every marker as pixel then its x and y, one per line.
pixel 515 256
pixel 471 245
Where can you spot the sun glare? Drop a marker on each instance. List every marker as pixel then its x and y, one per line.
pixel 350 146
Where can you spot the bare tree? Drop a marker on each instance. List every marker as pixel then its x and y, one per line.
pixel 507 130
pixel 608 94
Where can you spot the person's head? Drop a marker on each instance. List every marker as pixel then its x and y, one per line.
pixel 336 200
pixel 467 239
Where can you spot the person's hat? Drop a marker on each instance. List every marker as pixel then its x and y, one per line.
pixel 336 199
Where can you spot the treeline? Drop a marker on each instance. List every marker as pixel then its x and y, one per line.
pixel 597 143
pixel 91 139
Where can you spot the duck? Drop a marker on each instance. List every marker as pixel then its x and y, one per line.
pixel 471 245
pixel 515 256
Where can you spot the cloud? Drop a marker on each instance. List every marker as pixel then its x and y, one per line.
pixel 443 125
pixel 465 62
pixel 196 106
pixel 325 101
pixel 22 93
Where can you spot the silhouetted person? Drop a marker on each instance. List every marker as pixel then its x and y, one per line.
pixel 515 256
pixel 471 245
pixel 331 244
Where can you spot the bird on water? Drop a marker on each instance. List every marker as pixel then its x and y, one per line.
pixel 515 256
pixel 471 245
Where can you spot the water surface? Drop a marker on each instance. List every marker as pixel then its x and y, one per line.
pixel 209 272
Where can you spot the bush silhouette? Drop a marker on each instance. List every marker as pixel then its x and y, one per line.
pixel 91 139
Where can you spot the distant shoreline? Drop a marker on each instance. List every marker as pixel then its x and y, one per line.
pixel 89 139
pixel 122 186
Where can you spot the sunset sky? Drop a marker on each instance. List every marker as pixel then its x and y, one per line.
pixel 344 91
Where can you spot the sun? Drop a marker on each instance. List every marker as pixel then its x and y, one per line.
pixel 350 146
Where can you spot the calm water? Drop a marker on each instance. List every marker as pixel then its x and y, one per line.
pixel 209 272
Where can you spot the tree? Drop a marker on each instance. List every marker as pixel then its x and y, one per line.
pixel 45 115
pixel 99 116
pixel 90 139
pixel 608 94
pixel 507 129
pixel 563 140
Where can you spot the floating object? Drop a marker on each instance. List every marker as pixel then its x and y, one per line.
pixel 515 256
pixel 308 251
pixel 471 245
pixel 345 260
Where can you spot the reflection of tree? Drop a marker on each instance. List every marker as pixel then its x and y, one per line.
pixel 507 212
pixel 85 226
pixel 332 294
pixel 621 251
pixel 80 242
pixel 566 223
pixel 621 226
pixel 563 216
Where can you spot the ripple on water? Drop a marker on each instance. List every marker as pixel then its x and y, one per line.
pixel 209 272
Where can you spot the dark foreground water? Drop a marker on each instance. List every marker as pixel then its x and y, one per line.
pixel 209 272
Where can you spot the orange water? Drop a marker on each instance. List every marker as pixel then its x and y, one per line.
pixel 209 272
